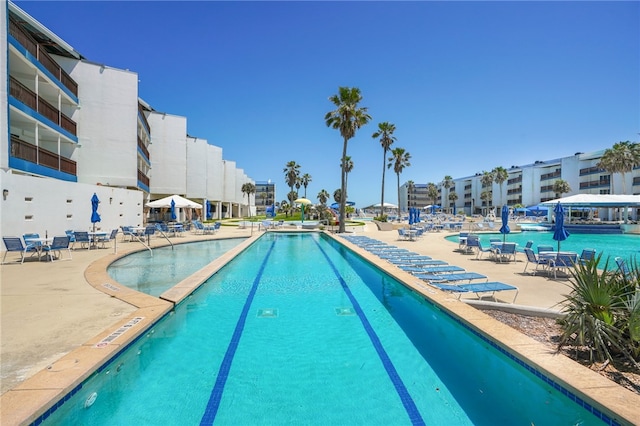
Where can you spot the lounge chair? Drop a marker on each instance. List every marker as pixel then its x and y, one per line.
pixel 472 244
pixel 563 261
pixel 14 244
pixel 402 234
pixel 623 268
pixel 480 250
pixel 528 245
pixel 107 238
pixel 544 248
pixel 58 244
pixel 431 269
pixel 479 288
pixel 459 276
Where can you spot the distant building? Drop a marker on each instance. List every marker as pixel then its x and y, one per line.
pixel 265 196
pixel 526 185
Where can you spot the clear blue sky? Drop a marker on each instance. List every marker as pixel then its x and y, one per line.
pixel 469 85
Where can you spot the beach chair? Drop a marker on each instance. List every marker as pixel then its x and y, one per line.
pixel 623 268
pixel 402 234
pixel 563 261
pixel 453 277
pixel 472 244
pixel 587 255
pixel 480 250
pixel 543 248
pixel 505 252
pixel 57 245
pixel 480 288
pixel 14 244
pixel 438 269
pixel 82 237
pixel 528 245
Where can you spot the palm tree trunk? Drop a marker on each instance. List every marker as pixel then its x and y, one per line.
pixel 343 197
pixel 384 157
pixel 399 216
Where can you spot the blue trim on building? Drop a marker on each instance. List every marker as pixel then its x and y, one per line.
pixel 144 156
pixel 29 167
pixel 41 118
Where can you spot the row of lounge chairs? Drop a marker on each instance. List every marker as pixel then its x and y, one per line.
pixel 437 273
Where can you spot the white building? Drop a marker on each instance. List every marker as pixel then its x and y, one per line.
pixel 528 185
pixel 70 127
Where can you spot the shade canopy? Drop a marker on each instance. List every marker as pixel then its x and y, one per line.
pixel 596 200
pixel 180 202
pixel 347 203
pixel 386 205
pixel 302 201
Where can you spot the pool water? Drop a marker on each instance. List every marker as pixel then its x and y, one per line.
pixel 300 330
pixel 626 246
pixel 154 273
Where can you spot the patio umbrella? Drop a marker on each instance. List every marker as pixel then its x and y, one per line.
pixel 504 230
pixel 560 233
pixel 302 202
pixel 207 214
pixel 173 210
pixel 95 217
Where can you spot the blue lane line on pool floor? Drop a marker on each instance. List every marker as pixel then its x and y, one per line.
pixel 403 393
pixel 216 394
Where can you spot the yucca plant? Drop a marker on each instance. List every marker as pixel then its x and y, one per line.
pixel 596 312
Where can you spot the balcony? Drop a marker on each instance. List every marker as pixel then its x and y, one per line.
pixel 23 94
pixel 143 149
pixel 514 180
pixel 601 183
pixel 34 154
pixel 38 52
pixel 143 178
pixel 517 190
pixel 591 171
pixel 554 175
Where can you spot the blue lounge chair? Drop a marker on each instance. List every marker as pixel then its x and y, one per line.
pixel 432 269
pixel 58 244
pixel 14 244
pixel 506 251
pixel 532 258
pixel 478 289
pixel 480 250
pixel 587 255
pixel 82 237
pixel 459 276
pixel 623 268
pixel 563 261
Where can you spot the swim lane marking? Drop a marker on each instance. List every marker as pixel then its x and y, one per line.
pixel 223 373
pixel 401 389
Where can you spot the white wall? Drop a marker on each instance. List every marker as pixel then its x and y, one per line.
pixel 168 153
pixel 197 168
pixel 107 123
pixel 51 206
pixel 215 173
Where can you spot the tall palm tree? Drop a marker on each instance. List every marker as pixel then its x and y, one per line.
pixel 298 184
pixel 500 174
pixel 560 187
pixel 447 183
pixel 385 133
pixel 337 195
pixel 453 197
pixel 348 117
pixel 306 180
pixel 621 158
pixel 411 187
pixel 487 182
pixel 486 197
pixel 291 173
pixel 323 196
pixel 248 189
pixel 399 160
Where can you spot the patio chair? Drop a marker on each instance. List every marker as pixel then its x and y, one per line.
pixel 492 287
pixel 14 244
pixel 127 233
pixel 456 276
pixel 587 255
pixel 506 251
pixel 563 261
pixel 532 258
pixel 82 237
pixel 472 244
pixel 402 234
pixel 28 241
pixel 623 268
pixel 480 250
pixel 58 244
pixel 543 248
pixel 72 238
pixel 528 245
pixel 107 238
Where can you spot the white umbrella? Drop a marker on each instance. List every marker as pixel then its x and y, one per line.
pixel 386 205
pixel 180 202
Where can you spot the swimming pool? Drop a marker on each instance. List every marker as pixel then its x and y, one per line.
pixel 299 329
pixel 626 246
pixel 154 273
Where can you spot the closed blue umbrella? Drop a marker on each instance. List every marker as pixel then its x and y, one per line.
pixel 560 233
pixel 504 229
pixel 95 217
pixel 411 216
pixel 207 214
pixel 173 210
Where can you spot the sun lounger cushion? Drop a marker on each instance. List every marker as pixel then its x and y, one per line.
pixel 466 276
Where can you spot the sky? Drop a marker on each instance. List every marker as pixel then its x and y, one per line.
pixel 470 86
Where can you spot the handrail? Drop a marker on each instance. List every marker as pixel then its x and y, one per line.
pixel 165 236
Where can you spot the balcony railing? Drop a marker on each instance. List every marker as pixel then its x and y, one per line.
pixel 553 175
pixel 595 184
pixel 143 178
pixel 591 170
pixel 32 46
pixel 143 118
pixel 36 103
pixel 35 154
pixel 143 149
pixel 514 180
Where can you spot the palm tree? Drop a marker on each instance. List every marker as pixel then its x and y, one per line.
pixel 348 117
pixel 323 196
pixel 292 196
pixel 622 158
pixel 560 187
pixel 486 197
pixel 348 167
pixel 447 183
pixel 298 184
pixel 306 180
pixel 453 197
pixel 291 173
pixel 284 206
pixel 385 133
pixel 248 189
pixel 500 174
pixel 487 182
pixel 411 187
pixel 399 160
pixel 337 195
pixel 432 192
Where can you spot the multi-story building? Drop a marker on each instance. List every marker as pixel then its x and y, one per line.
pixel 70 127
pixel 527 185
pixel 265 196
